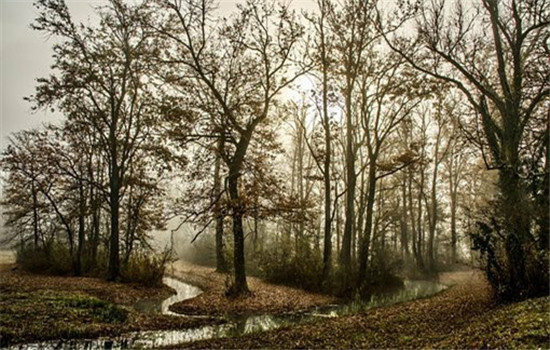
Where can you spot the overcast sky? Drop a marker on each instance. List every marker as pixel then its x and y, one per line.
pixel 24 56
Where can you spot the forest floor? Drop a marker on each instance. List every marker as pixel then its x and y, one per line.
pixel 463 316
pixel 39 308
pixel 265 298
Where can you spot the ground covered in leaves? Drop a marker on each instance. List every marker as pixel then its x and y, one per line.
pixel 266 297
pixel 37 308
pixel 463 316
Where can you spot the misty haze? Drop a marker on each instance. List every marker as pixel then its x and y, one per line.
pixel 355 174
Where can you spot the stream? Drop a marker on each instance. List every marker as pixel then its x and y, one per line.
pixel 236 325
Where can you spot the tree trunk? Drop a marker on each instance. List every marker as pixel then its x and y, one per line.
pixel 345 253
pixel 454 235
pixel 240 287
pixel 128 236
pixel 367 232
pixel 403 221
pixel 114 205
pixel 221 262
pixel 34 214
pixel 517 226
pixel 81 229
pixel 95 208
pixel 414 231
pixel 433 220
pixel 327 242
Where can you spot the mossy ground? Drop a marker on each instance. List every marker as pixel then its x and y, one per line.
pixel 38 308
pixel 46 314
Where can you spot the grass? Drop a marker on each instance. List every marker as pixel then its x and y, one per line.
pixel 39 308
pixel 55 315
pixel 523 325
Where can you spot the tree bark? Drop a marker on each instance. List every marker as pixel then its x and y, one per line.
pixel 34 194
pixel 367 232
pixel 221 262
pixel 114 205
pixel 327 239
pixel 403 220
pixel 345 253
pixel 240 287
pixel 81 229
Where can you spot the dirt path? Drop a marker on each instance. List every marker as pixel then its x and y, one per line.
pixel 464 316
pixel 266 298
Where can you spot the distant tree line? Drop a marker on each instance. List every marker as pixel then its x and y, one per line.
pixel 345 146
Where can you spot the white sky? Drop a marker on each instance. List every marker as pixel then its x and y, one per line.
pixel 25 55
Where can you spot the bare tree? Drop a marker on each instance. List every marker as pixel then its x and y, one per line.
pixel 100 82
pixel 243 64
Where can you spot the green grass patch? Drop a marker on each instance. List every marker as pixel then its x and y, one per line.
pixel 54 315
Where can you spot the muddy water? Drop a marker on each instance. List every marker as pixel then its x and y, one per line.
pixel 237 325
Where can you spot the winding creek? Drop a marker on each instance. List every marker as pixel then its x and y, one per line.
pixel 236 325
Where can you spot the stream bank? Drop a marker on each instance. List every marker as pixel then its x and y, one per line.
pixel 238 323
pixel 464 316
pixel 454 318
pixel 35 308
pixel 266 297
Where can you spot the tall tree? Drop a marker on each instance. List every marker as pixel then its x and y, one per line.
pixel 387 99
pixel 100 81
pixel 323 61
pixel 243 64
pixel 354 31
pixel 494 54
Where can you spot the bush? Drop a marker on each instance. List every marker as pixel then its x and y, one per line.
pixel 146 268
pixel 490 241
pixel 384 267
pixel 52 258
pixel 281 264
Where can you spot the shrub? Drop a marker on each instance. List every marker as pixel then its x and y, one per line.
pixel 146 268
pixel 282 264
pixel 384 267
pixel 51 258
pixel 490 240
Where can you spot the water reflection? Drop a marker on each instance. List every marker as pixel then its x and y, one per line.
pixel 183 290
pixel 238 325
